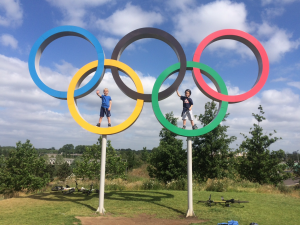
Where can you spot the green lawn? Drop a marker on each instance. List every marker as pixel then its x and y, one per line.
pixel 55 208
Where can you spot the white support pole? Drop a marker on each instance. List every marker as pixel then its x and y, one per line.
pixel 101 209
pixel 190 211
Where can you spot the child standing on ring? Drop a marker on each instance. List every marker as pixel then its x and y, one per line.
pixel 187 108
pixel 105 107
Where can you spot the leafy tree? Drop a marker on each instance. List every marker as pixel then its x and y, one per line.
pixel 80 149
pixel 66 149
pixel 89 166
pixel 63 171
pixel 145 155
pixel 290 163
pixel 212 157
pixel 50 169
pixel 59 159
pixel 258 164
pixel 22 169
pixel 133 160
pixel 168 160
pixel 115 165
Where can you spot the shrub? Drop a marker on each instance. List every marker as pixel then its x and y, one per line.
pixel 284 189
pixel 216 185
pixel 152 185
pixel 179 185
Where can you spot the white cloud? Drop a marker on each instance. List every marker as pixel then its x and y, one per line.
pixel 193 24
pixel 266 2
pixel 294 84
pixel 8 40
pixel 13 13
pixel 75 11
pixel 128 19
pixel 108 42
pixel 273 12
pixel 280 79
pixel 278 41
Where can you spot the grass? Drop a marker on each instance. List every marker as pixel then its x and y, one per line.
pixel 55 208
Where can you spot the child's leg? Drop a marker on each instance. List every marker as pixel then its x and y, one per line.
pixel 108 118
pixel 184 122
pixel 100 119
pixel 192 122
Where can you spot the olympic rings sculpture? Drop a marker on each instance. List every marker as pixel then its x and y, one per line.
pixel 99 66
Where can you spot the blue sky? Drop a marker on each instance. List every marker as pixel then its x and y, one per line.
pixel 28 113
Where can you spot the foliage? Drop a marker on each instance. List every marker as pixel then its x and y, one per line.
pixel 168 161
pixel 217 185
pixel 133 161
pixel 79 149
pixel 59 159
pixel 22 169
pixel 50 169
pixel 63 171
pixel 212 157
pixel 115 165
pixel 89 165
pixel 258 164
pixel 144 155
pixel 66 149
pixel 290 163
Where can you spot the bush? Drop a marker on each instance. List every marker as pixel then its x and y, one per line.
pixel 153 185
pixel 64 171
pixel 284 189
pixel 179 185
pixel 217 185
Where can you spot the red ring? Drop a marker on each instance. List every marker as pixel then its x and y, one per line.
pixel 257 49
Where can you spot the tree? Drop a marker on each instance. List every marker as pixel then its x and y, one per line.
pixel 258 164
pixel 212 157
pixel 22 170
pixel 115 165
pixel 89 166
pixel 63 171
pixel 66 149
pixel 79 149
pixel 168 161
pixel 145 155
pixel 59 159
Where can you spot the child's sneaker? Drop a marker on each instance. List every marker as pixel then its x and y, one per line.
pixel 184 127
pixel 109 125
pixel 195 127
pixel 98 125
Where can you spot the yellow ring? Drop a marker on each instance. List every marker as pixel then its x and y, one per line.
pixel 109 130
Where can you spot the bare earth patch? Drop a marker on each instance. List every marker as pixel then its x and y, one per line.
pixel 142 219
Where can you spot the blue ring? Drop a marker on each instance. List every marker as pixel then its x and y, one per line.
pixel 45 40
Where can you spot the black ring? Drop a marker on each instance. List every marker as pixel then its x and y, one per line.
pixel 149 33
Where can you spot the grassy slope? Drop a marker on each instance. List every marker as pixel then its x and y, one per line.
pixel 48 208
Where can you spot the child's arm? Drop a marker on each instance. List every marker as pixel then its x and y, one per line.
pixel 109 105
pixel 98 93
pixel 178 93
pixel 191 102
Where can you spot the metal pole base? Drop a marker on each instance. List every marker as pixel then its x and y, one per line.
pixel 101 213
pixel 190 213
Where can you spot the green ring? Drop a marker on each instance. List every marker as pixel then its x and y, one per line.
pixel 211 74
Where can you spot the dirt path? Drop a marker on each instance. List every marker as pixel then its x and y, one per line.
pixel 141 220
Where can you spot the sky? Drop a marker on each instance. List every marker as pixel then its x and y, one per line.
pixel 26 112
